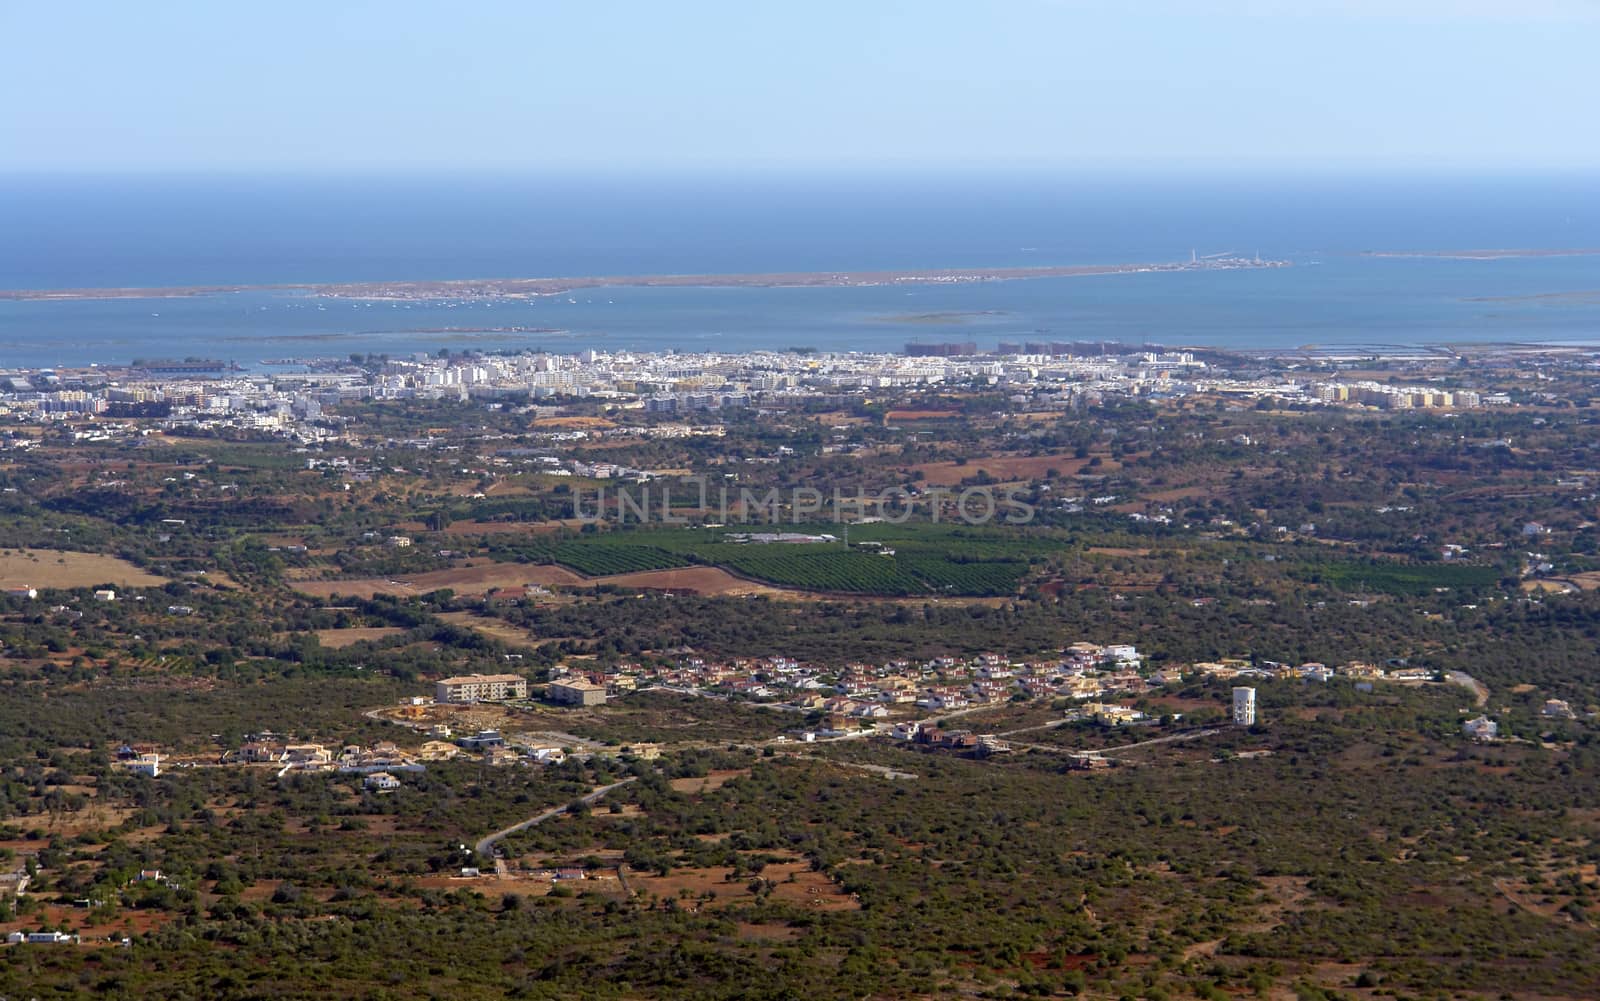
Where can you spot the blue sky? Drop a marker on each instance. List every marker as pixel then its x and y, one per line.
pixel 654 85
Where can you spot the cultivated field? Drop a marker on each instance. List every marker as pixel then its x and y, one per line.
pixel 52 568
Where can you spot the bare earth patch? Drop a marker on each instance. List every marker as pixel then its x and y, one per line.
pixel 1010 468
pixel 706 783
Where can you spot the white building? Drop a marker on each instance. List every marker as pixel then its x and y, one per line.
pixel 576 693
pixel 1482 728
pixel 41 937
pixel 145 764
pixel 1244 707
pixel 481 688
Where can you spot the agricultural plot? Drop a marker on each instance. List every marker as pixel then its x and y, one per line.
pixel 966 577
pixel 820 569
pixel 602 559
pixel 925 559
pixel 1399 578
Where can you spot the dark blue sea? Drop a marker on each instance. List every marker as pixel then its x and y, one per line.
pixel 89 231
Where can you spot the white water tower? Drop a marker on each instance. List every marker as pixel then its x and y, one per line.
pixel 1244 707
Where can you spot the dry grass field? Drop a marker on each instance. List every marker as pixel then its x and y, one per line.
pixel 701 580
pixel 477 579
pixel 482 578
pixel 337 639
pixel 1010 468
pixel 496 628
pixel 793 882
pixel 579 423
pixel 52 568
pixel 509 527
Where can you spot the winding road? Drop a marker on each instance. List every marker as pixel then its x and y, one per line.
pixel 485 846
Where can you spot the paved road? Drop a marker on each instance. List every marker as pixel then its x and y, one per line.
pixel 486 846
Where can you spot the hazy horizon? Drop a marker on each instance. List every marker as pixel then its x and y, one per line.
pixel 198 227
pixel 1037 84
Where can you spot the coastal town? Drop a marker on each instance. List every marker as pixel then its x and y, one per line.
pixel 301 401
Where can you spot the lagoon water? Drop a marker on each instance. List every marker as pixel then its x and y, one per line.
pixel 176 231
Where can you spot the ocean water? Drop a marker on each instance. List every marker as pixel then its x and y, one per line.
pixel 175 231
